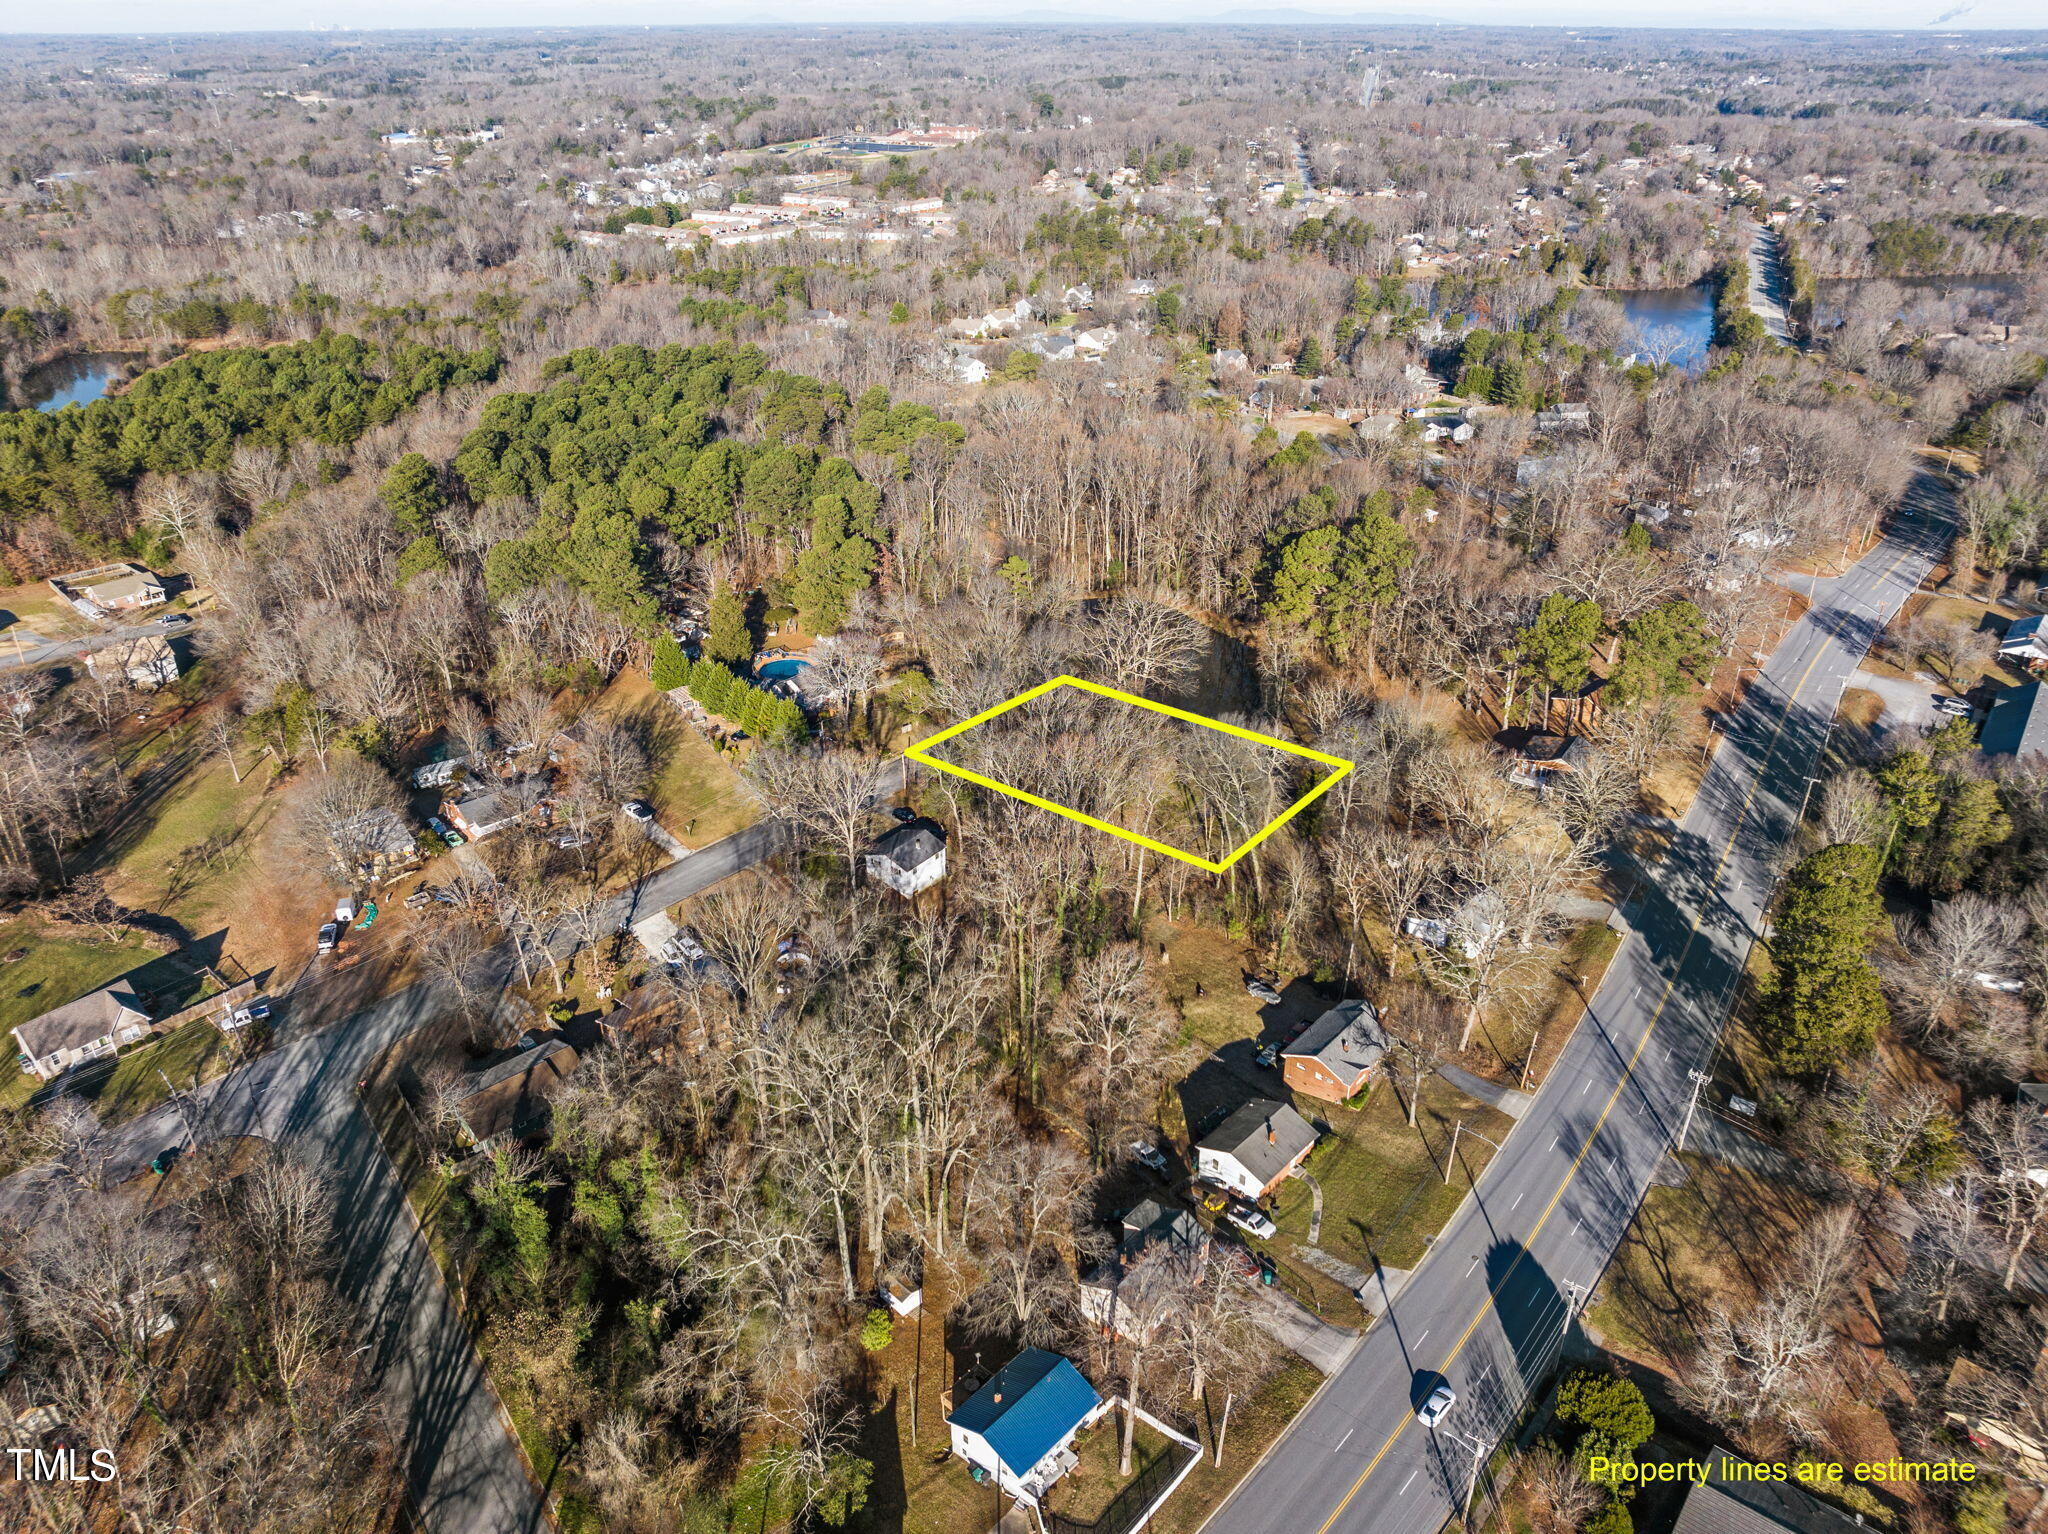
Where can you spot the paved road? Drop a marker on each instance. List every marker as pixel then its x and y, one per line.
pixel 465 1471
pixel 1767 282
pixel 12 655
pixel 1488 1307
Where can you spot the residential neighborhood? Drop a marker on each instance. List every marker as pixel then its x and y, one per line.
pixel 1264 773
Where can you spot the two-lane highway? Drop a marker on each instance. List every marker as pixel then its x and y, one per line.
pixel 1489 1306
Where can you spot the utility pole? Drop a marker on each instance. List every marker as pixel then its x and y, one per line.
pixel 1224 1430
pixel 1478 1458
pixel 1699 1080
pixel 1457 1128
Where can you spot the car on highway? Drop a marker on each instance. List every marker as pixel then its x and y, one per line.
pixel 1253 1222
pixel 1147 1154
pixel 1958 707
pixel 1262 990
pixel 1437 1407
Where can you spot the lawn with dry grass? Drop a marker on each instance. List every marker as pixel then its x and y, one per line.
pixel 696 791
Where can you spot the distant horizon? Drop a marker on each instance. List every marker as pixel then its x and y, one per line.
pixel 131 20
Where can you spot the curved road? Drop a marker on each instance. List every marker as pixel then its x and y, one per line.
pixel 1488 1308
pixel 466 1473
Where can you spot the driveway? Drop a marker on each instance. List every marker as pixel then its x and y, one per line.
pixel 1907 704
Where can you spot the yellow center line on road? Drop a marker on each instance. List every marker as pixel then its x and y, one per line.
pixel 1627 1074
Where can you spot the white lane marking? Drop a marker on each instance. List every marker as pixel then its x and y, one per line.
pixel 1587 1087
pixel 1518 1199
pixel 1475 1263
pixel 1404 1485
pixel 1344 1440
pixel 1423 1338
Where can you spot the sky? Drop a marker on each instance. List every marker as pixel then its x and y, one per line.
pixel 156 17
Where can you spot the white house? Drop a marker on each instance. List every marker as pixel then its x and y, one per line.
pixel 1019 1427
pixel 1255 1149
pixel 2026 642
pixel 910 859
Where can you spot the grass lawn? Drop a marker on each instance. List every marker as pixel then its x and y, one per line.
pixel 696 792
pixel 35 607
pixel 1383 1188
pixel 144 1077
pixel 918 1488
pixel 1204 976
pixel 1084 1493
pixel 1719 1235
pixel 200 835
pixel 1255 1421
pixel 55 970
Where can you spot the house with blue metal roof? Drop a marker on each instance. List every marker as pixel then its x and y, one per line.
pixel 1019 1428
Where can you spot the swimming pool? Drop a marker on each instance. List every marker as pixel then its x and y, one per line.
pixel 776 670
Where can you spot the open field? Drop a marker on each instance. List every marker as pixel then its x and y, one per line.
pixel 51 970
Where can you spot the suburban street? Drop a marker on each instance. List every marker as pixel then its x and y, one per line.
pixel 14 655
pixel 466 1472
pixel 1488 1308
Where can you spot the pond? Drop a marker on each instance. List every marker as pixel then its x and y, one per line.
pixel 74 380
pixel 1676 324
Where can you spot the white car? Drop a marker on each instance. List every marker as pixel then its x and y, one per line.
pixel 1150 1155
pixel 639 810
pixel 1253 1222
pixel 1959 707
pixel 1437 1407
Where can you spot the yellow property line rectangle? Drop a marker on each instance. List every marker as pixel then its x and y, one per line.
pixel 921 752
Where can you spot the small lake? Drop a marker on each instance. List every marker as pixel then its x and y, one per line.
pixel 1678 319
pixel 77 380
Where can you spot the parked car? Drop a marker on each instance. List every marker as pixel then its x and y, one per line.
pixel 418 899
pixel 1150 1155
pixel 573 839
pixel 174 620
pixel 638 809
pixel 1960 707
pixel 683 949
pixel 165 1159
pixel 1263 990
pixel 330 935
pixel 446 832
pixel 1269 1054
pixel 1437 1407
pixel 1253 1222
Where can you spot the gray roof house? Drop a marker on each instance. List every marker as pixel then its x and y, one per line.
pixel 2018 725
pixel 1108 1295
pixel 1255 1149
pixel 909 859
pixel 97 1023
pixel 1727 1502
pixel 1336 1054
